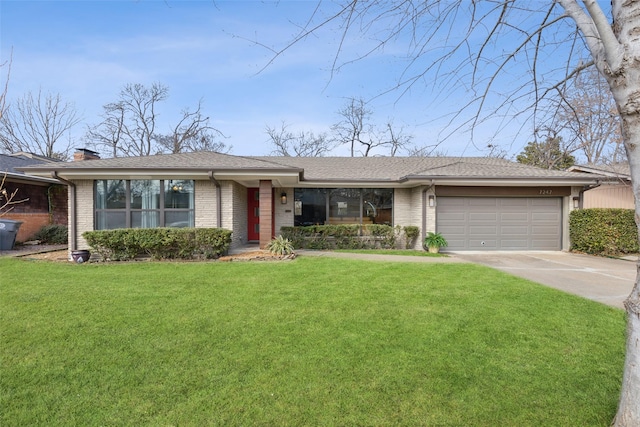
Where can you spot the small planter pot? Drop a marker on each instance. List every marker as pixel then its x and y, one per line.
pixel 434 249
pixel 80 256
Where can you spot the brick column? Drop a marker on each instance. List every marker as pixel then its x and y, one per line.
pixel 266 213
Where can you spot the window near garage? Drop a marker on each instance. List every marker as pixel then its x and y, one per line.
pixel 143 203
pixel 377 205
pixel 317 206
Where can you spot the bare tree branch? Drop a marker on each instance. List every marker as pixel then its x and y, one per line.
pixel 8 199
pixel 129 126
pixel 302 144
pixel 37 124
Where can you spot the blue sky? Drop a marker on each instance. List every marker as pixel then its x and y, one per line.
pixel 88 50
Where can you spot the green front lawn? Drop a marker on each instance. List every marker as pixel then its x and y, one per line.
pixel 315 341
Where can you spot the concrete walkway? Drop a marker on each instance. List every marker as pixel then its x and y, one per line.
pixel 605 280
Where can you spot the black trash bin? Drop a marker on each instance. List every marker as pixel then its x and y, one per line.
pixel 8 232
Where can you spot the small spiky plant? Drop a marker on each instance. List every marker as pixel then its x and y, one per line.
pixel 280 246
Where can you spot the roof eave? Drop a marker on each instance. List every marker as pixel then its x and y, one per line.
pixel 514 181
pixel 28 179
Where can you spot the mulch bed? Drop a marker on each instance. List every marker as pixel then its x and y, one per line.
pixel 51 254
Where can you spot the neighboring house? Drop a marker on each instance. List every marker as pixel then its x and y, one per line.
pixel 476 203
pixel 613 189
pixel 45 199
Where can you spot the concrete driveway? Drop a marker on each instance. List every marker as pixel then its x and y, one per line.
pixel 605 280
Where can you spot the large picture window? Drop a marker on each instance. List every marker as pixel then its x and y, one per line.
pixel 142 203
pixel 318 206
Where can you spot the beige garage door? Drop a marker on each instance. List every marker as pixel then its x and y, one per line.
pixel 496 223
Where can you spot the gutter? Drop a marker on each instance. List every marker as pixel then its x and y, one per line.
pixel 73 241
pixel 218 199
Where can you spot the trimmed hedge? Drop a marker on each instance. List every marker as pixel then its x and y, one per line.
pixel 349 236
pixel 603 231
pixel 159 243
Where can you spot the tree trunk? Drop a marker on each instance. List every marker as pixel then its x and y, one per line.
pixel 628 414
pixel 629 406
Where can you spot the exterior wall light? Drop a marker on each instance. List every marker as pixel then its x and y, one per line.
pixel 576 203
pixel 432 200
pixel 283 198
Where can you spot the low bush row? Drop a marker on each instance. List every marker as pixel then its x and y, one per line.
pixel 603 231
pixel 54 234
pixel 351 236
pixel 159 243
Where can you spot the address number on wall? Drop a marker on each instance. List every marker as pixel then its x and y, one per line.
pixel 546 192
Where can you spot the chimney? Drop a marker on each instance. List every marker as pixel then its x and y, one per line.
pixel 85 154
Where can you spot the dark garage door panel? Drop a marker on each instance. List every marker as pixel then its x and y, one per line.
pixel 494 223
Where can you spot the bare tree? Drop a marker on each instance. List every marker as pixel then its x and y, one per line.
pixel 426 151
pixel 485 43
pixel 37 124
pixel 587 116
pixel 301 144
pixel 356 131
pixel 397 139
pixel 5 86
pixel 130 126
pixel 351 129
pixel 109 132
pixel 192 133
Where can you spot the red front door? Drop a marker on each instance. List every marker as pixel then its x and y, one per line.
pixel 253 212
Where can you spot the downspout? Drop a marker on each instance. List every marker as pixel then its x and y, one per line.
pixel 73 241
pixel 218 199
pixel 585 188
pixel 424 210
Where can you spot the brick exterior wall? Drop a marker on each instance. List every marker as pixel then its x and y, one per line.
pixel 235 213
pixel 44 205
pixel 266 213
pixel 408 210
pixel 205 204
pixel 31 223
pixel 283 214
pixel 84 211
pixel 234 208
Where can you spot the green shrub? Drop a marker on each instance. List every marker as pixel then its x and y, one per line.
pixel 603 231
pixel 52 234
pixel 384 235
pixel 159 243
pixel 347 236
pixel 411 233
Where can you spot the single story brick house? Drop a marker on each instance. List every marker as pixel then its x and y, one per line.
pixel 45 198
pixel 476 203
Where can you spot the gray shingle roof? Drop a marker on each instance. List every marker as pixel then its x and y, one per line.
pixel 617 170
pixel 399 168
pixel 326 168
pixel 198 160
pixel 9 162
